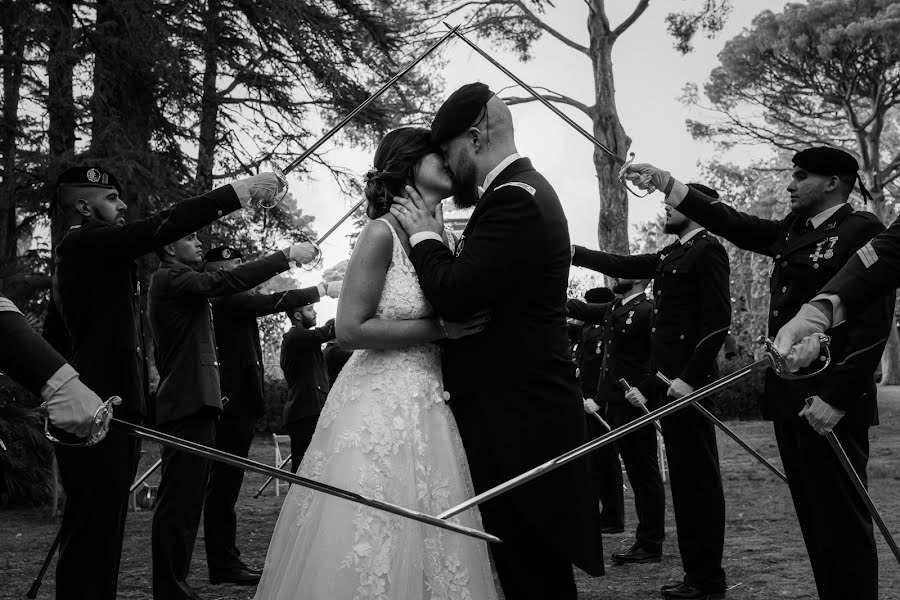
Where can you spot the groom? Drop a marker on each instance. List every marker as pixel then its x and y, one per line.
pixel 512 387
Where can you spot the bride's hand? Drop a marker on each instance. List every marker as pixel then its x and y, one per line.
pixel 453 330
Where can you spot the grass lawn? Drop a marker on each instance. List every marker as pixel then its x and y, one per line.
pixel 764 553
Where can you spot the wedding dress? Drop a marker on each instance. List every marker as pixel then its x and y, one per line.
pixel 386 433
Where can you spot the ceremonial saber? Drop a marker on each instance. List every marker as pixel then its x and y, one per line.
pixel 36 584
pixel 860 488
pixel 271 479
pixel 258 467
pixel 627 387
pixel 772 359
pixel 730 433
pixel 377 94
pixel 615 157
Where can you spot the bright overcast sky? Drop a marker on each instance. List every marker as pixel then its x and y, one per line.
pixel 649 75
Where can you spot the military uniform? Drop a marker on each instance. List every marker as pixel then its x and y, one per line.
pixel 24 355
pixel 97 288
pixel 605 461
pixel 835 524
pixel 189 401
pixel 241 377
pixel 691 316
pixel 624 350
pixel 303 364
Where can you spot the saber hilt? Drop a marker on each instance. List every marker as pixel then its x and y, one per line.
pixel 779 362
pixel 643 407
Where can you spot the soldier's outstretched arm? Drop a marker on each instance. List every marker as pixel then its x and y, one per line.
pixel 636 266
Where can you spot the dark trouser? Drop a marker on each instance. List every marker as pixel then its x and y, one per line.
pixel 527 567
pixel 301 432
pixel 836 526
pixel 608 470
pixel 697 497
pixel 96 480
pixel 234 434
pixel 639 453
pixel 177 515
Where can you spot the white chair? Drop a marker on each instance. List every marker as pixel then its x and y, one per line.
pixel 280 439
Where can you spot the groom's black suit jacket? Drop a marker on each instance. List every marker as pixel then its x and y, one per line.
pixel 512 387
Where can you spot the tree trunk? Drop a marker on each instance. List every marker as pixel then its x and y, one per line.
pixel 13 56
pixel 612 228
pixel 209 105
pixel 61 61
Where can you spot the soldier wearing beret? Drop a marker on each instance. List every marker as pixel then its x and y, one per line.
pixel 96 291
pixel 241 379
pixel 588 355
pixel 513 390
pixel 306 374
pixel 691 316
pixel 624 350
pixel 808 247
pixel 189 397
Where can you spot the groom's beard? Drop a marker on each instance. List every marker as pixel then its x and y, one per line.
pixel 465 188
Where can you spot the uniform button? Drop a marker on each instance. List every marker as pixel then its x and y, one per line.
pixel 784 263
pixel 655 310
pixel 220 213
pixel 216 363
pixel 653 329
pixel 138 348
pixel 674 270
pixel 775 313
pixel 659 293
pixel 446 395
pixel 816 266
pixel 681 337
pixel 784 289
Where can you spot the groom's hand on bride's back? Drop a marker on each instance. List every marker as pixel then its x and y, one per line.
pixel 453 330
pixel 414 215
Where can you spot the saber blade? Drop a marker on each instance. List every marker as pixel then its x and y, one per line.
pixel 604 440
pixel 377 94
pixel 730 433
pixel 263 487
pixel 615 157
pixel 258 467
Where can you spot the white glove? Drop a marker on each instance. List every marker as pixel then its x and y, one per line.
pixel 590 407
pixel 646 177
pixel 72 407
pixel 635 396
pixel 679 388
pixel 301 253
pixel 264 188
pixel 807 321
pixel 821 415
pixel 333 288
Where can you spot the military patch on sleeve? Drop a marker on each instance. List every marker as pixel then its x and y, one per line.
pixel 519 184
pixel 6 305
pixel 867 255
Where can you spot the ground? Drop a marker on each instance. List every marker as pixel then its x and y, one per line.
pixel 764 553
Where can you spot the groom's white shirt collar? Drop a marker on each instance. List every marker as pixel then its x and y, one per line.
pixel 492 175
pixel 488 179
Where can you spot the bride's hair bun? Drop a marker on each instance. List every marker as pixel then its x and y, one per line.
pixel 395 163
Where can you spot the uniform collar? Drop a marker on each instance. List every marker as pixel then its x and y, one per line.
pixel 631 297
pixel 686 237
pixel 492 174
pixel 824 215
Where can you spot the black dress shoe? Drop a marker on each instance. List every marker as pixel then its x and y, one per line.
pixel 237 576
pixel 638 554
pixel 683 591
pixel 250 569
pixel 610 529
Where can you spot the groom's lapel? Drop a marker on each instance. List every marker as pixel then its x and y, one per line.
pixel 513 169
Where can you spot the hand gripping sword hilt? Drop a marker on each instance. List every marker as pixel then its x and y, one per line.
pixel 622 171
pixel 99 425
pixel 779 362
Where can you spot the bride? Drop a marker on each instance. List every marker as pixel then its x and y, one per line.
pixel 385 431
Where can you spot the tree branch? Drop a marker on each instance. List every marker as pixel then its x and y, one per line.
pixel 624 25
pixel 552 97
pixel 531 16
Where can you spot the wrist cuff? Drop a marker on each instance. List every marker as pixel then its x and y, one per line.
pixel 62 376
pixel 422 236
pixel 243 192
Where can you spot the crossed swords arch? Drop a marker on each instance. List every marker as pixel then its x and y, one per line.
pixel 772 359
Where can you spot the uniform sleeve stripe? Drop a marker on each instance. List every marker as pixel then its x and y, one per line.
pixel 519 184
pixel 6 305
pixel 867 255
pixel 716 332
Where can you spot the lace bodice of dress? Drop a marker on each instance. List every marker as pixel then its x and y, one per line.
pixel 402 297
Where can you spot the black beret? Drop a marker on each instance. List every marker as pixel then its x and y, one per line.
pixel 599 295
pixel 88 176
pixel 222 253
pixel 826 161
pixel 459 111
pixel 706 190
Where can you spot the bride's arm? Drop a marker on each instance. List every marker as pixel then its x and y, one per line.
pixel 356 325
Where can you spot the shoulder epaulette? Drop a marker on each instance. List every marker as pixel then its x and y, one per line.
pixel 518 184
pixel 865 214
